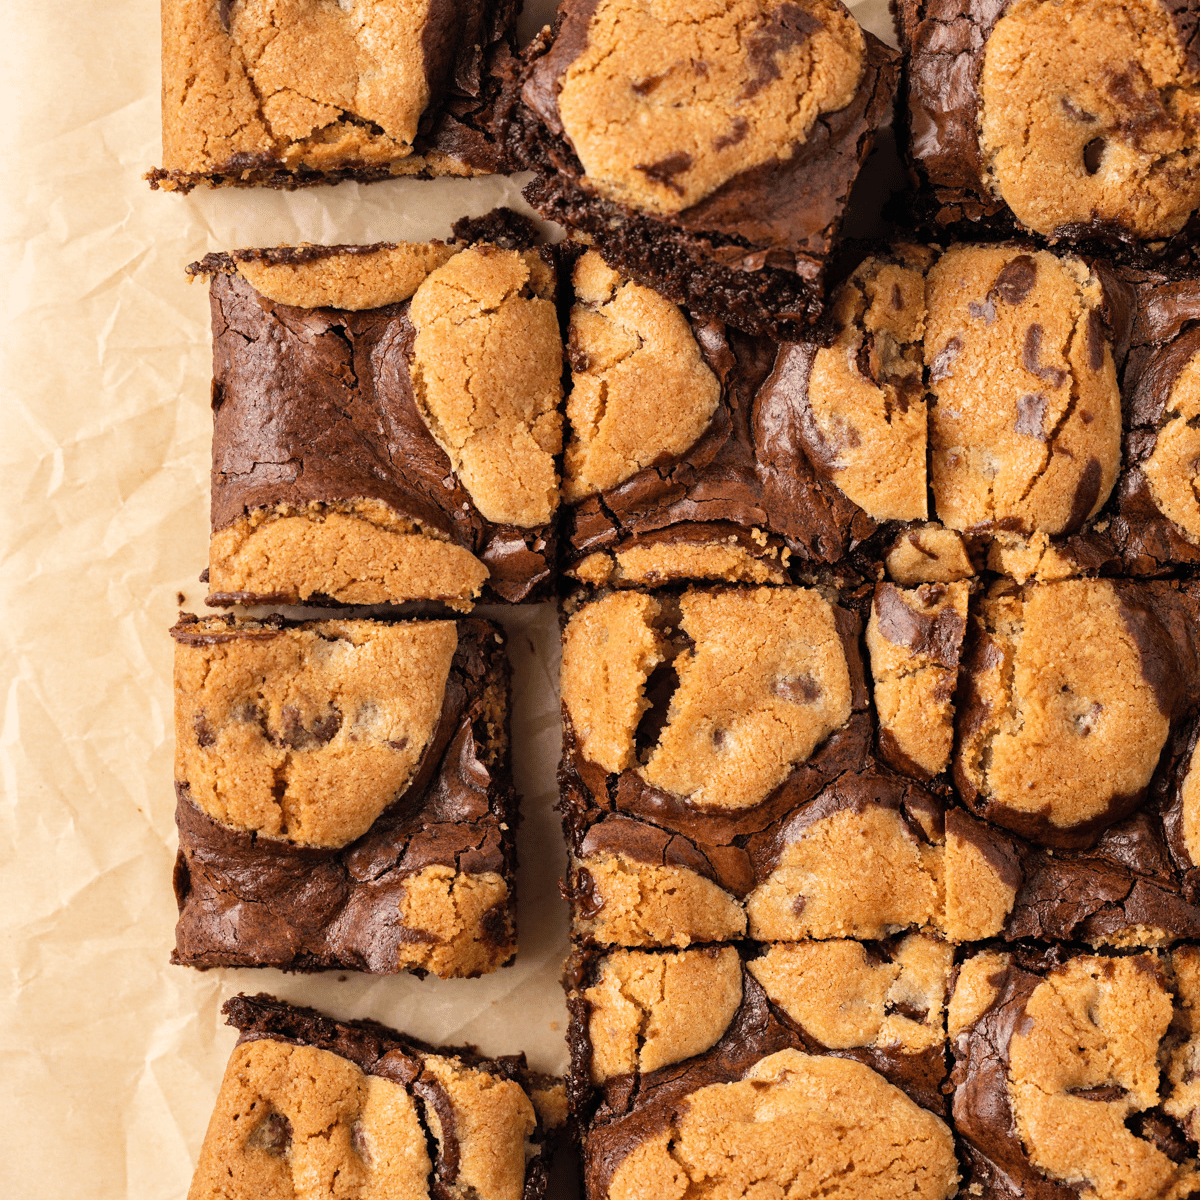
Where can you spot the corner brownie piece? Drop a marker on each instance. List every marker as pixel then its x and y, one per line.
pixel 706 153
pixel 344 796
pixel 312 91
pixel 1107 150
pixel 310 1105
pixel 768 1111
pixel 385 421
pixel 1075 1073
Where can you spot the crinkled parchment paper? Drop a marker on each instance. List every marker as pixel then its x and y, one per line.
pixel 110 1058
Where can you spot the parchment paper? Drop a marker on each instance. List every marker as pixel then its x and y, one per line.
pixel 110 1058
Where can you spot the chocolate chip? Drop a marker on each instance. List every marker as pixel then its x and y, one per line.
pixel 718 738
pixel 787 26
pixel 911 1011
pixel 985 312
pixel 799 904
pixel 224 8
pixel 272 1134
pixel 665 170
pixel 398 744
pixel 943 362
pixel 1103 1093
pixel 586 896
pixel 1077 114
pixel 203 730
pixel 803 689
pixel 359 1143
pixel 897 297
pixel 1031 415
pixel 297 736
pixel 1016 280
pixel 644 87
pixel 738 128
pixel 1086 722
pixel 1093 155
pixel 1031 352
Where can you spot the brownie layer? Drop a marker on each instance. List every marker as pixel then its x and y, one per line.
pixel 347 464
pixel 753 251
pixel 430 884
pixel 308 1100
pixel 309 94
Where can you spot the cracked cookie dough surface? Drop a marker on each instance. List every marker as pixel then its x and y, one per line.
pixel 1026 421
pixel 797 1125
pixel 1090 116
pixel 307 733
pixel 293 91
pixel 311 1106
pixel 664 106
pixel 1173 467
pixel 1069 1070
pixel 866 420
pixel 487 366
pixel 1062 725
pixel 652 1010
pixel 640 389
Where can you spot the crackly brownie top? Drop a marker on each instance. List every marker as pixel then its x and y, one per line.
pixel 791 1120
pixel 762 680
pixel 640 389
pixel 305 733
pixel 332 81
pixel 1067 709
pixel 1058 1060
pixel 1026 428
pixel 1113 138
pixel 867 426
pixel 663 104
pixel 486 369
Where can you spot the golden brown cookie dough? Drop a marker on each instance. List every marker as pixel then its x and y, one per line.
pixel 846 997
pixel 486 370
pixel 355 552
pixel 765 682
pixel 796 1122
pixel 914 637
pixel 929 554
pixel 664 105
pixel 1036 558
pixel 1090 112
pixel 307 83
pixel 976 988
pixel 640 389
pixel 387 275
pixel 1181 1099
pixel 1065 726
pixel 852 874
pixel 651 1010
pixel 1026 422
pixel 656 564
pixel 865 392
pixel 462 924
pixel 609 649
pixel 1094 1023
pixel 492 1120
pixel 308 733
pixel 981 886
pixel 297 1120
pixel 1173 468
pixel 646 904
pixel 1190 802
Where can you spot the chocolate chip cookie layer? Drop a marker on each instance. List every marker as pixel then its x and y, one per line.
pixel 344 796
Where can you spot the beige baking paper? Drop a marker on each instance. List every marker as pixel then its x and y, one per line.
pixel 111 1058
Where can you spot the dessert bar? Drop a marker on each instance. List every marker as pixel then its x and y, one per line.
pixel 386 420
pixel 257 92
pixel 314 1106
pixel 706 152
pixel 1074 1074
pixel 1106 153
pixel 344 796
